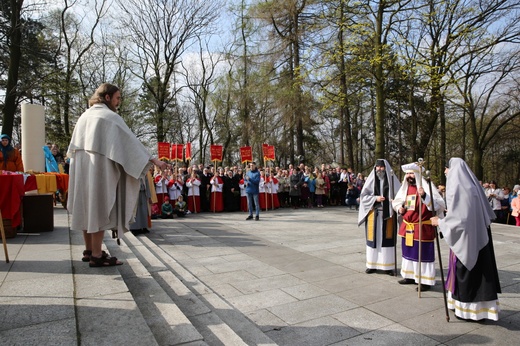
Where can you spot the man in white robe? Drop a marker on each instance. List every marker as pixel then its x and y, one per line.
pixel 375 211
pixel 106 163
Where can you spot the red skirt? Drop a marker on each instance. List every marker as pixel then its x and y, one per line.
pixel 276 202
pixel 216 202
pixel 160 198
pixel 265 201
pixel 194 204
pixel 243 203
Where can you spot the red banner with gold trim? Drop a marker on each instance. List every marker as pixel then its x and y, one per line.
pixel 177 151
pixel 270 153
pixel 246 153
pixel 163 150
pixel 264 150
pixel 187 151
pixel 216 152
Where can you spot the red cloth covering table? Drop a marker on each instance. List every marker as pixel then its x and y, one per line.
pixel 11 193
pixel 47 183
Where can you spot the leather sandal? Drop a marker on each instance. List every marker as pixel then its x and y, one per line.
pixel 104 261
pixel 88 253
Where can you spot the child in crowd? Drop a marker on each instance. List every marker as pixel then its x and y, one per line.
pixel 180 207
pixel 156 212
pixel 166 209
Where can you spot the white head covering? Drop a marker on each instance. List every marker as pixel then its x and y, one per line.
pixel 469 214
pixel 415 169
pixel 367 198
pixel 400 198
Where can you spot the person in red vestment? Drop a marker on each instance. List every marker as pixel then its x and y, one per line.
pixel 273 190
pixel 263 196
pixel 161 185
pixel 216 197
pixel 243 195
pixel 193 185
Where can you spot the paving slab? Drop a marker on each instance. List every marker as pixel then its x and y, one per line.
pixel 297 276
pixel 325 251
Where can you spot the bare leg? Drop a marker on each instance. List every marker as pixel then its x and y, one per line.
pixel 97 243
pixel 87 237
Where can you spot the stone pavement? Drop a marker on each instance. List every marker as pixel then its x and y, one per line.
pixel 296 277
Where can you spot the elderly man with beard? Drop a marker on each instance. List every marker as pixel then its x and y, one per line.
pixel 375 210
pixel 411 201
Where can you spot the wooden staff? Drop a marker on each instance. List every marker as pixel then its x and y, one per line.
pixel 271 188
pixel 246 182
pixel 419 184
pixel 215 179
pixel 193 193
pixel 394 220
pixel 2 232
pixel 193 190
pixel 265 184
pixel 428 179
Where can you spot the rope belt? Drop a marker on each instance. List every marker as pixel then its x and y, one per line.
pixel 410 226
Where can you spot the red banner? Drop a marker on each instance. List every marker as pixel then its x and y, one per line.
pixel 268 152
pixel 187 151
pixel 216 152
pixel 246 154
pixel 271 153
pixel 264 150
pixel 163 150
pixel 177 150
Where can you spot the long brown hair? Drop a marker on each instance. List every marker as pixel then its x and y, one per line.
pixel 100 93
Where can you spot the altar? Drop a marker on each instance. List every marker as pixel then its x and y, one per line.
pixel 12 191
pixel 27 200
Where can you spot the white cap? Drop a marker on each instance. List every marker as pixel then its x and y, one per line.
pixel 411 168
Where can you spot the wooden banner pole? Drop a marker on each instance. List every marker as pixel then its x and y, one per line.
pixel 2 231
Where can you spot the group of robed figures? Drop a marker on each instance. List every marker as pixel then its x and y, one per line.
pixel 415 211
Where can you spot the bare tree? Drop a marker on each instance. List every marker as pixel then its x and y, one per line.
pixel 200 76
pixel 487 88
pixel 159 32
pixel 75 43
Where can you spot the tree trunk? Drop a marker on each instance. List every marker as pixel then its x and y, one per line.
pixel 379 86
pixel 15 54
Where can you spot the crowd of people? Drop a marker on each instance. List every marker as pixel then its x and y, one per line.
pixel 217 189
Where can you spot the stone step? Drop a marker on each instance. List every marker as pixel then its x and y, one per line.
pixel 167 322
pixel 105 310
pixel 209 312
pixel 143 262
